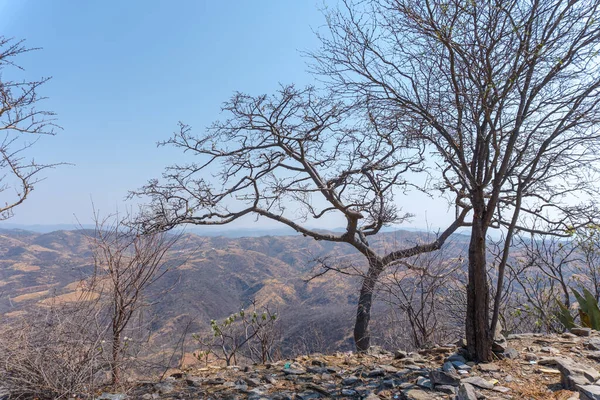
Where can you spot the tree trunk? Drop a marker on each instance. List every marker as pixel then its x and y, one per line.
pixel 362 336
pixel 479 340
pixel 115 369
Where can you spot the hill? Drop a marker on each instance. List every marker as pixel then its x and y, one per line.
pixel 211 278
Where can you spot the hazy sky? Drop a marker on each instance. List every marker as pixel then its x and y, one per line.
pixel 125 72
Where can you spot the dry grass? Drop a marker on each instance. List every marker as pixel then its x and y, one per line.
pixel 25 267
pixel 30 296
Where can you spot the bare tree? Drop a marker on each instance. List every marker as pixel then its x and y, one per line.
pixel 297 158
pixel 419 291
pixel 504 93
pixel 54 351
pixel 21 124
pixel 127 262
pixel 586 241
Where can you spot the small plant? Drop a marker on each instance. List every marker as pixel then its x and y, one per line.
pixel 250 334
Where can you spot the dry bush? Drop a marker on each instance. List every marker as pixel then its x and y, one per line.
pixel 53 352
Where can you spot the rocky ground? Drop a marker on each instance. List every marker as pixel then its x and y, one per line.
pixel 528 366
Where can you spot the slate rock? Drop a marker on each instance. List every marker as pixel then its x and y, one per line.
pixel 424 382
pixel 446 389
pixel 294 371
pixel 478 381
pixel 581 331
pixel 589 392
pixel 449 367
pixel 112 396
pixel 400 354
pixel 488 367
pixel 376 372
pixel 466 392
pixel 573 375
pixel 351 380
pixel 439 377
pixel 530 357
pixel 593 344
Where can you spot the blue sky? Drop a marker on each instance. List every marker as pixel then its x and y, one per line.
pixel 125 72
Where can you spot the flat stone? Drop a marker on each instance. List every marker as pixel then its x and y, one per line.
pixel 446 389
pixel 376 372
pixel 449 367
pixel 389 369
pixel 581 331
pixel 112 396
pixel 488 367
pixel 589 392
pixel 593 344
pixel 501 389
pixel 439 377
pixel 294 371
pixel 466 392
pixel 349 392
pixel 478 381
pixel 461 366
pixel 351 380
pixel 548 349
pixel 418 394
pixel 424 382
pixel 456 357
pixel 530 357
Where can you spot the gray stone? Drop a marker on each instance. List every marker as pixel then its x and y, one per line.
pixel 593 344
pixel 389 383
pixel 351 380
pixel 499 346
pixel 112 396
pixel 400 354
pixel 456 357
pixel 448 367
pixel 581 331
pixel 349 392
pixel 461 366
pixel 372 396
pixel 478 381
pixel 572 374
pixel 439 377
pixel 501 389
pixel 511 353
pixel 488 367
pixel 418 394
pixel 376 372
pixel 466 392
pixel 548 349
pixel 589 392
pixel 446 389
pixel 530 357
pixel 293 371
pixel 389 369
pixel 424 382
